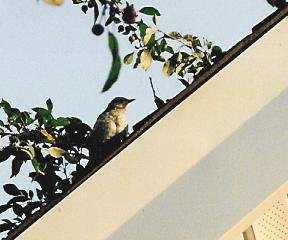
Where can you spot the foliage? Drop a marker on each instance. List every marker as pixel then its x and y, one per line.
pixel 184 56
pixel 55 148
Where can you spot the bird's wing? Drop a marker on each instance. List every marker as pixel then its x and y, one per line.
pixel 104 128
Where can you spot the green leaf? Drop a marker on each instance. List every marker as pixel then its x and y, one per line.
pixel 20 198
pixel 42 111
pixel 36 165
pixel 116 20
pixel 113 74
pixel 113 44
pixel 11 189
pixel 216 51
pixel 60 121
pixel 128 59
pixel 26 119
pixel 159 58
pixel 192 69
pixel 17 209
pixel 150 11
pixel 3 208
pixel 6 106
pixel 6 152
pixel 31 194
pixel 39 193
pixel 16 165
pixel 184 82
pixel 49 105
pixel 42 115
pixel 163 45
pixel 142 28
pixel 116 62
pixel 169 49
pixel 71 159
pixel 109 20
pixel 4 227
pixel 96 12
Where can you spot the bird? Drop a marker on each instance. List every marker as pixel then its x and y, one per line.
pixel 277 3
pixel 110 129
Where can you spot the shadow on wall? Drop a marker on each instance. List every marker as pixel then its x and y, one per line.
pixel 223 187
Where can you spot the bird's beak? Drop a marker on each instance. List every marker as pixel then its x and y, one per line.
pixel 130 100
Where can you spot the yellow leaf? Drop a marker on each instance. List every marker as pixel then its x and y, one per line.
pixel 47 135
pixel 188 37
pixel 179 57
pixel 179 68
pixel 56 152
pixel 145 59
pixel 148 34
pixel 128 59
pixel 54 2
pixel 168 68
pixel 30 151
pixel 175 35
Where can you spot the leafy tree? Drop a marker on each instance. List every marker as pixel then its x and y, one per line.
pixel 149 43
pixel 57 148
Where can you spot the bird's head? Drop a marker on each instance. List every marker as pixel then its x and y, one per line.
pixel 119 103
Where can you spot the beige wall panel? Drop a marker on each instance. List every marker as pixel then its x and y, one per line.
pixel 172 146
pixel 223 187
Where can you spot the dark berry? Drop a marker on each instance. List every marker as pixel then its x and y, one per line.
pixel 91 4
pixel 127 29
pixel 97 29
pixel 121 28
pixel 129 14
pixel 84 8
pixel 132 38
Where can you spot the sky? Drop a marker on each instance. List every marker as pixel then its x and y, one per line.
pixel 50 52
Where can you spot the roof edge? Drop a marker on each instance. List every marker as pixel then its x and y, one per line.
pixel 258 31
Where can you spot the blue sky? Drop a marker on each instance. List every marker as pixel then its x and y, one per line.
pixel 50 52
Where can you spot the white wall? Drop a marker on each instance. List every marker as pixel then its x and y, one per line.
pixel 223 187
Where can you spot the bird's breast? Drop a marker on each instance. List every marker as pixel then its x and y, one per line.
pixel 121 123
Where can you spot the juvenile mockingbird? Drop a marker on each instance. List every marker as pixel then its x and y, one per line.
pixel 109 130
pixel 277 3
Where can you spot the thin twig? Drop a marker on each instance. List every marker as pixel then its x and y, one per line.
pixel 151 83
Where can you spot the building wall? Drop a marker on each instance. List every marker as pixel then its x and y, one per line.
pixel 200 169
pixel 268 221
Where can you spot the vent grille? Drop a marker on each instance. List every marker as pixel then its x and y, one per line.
pixel 273 224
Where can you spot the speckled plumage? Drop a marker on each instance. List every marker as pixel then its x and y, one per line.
pixel 109 124
pixel 109 130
